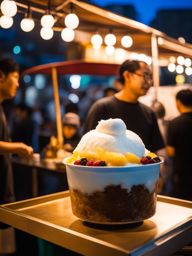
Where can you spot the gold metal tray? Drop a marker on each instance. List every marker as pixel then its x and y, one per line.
pixel 50 218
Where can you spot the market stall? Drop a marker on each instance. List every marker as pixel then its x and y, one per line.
pixel 148 44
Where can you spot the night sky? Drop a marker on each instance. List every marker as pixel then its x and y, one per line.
pixel 147 8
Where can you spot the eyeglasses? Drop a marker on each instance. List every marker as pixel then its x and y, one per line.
pixel 146 76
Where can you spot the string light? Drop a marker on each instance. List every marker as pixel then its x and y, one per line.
pixel 110 39
pixel 67 34
pixel 188 71
pixel 120 55
pixel 71 20
pixel 184 65
pixel 6 22
pixel 181 39
pixel 27 24
pixel 179 69
pixel 181 60
pixel 47 21
pixel 171 67
pixel 187 62
pixel 9 8
pixel 96 41
pixel 172 59
pixel 126 41
pixel 46 33
pixel 109 50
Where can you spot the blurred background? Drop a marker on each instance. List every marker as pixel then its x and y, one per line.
pixel 78 92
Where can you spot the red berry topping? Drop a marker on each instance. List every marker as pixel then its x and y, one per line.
pixel 144 160
pixel 96 163
pixel 149 160
pixel 100 163
pixel 77 162
pixel 90 162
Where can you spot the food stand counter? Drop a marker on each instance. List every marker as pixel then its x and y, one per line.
pixel 50 217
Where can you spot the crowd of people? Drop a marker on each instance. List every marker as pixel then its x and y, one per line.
pixel 122 101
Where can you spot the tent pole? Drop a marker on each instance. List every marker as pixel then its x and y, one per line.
pixel 155 64
pixel 57 107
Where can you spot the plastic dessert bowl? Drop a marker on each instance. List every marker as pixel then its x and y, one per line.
pixel 113 195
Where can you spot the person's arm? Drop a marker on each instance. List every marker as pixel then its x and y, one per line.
pixel 17 148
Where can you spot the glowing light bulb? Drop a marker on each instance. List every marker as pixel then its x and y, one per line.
pixel 179 69
pixel 187 62
pixel 110 39
pixel 120 55
pixel 6 22
pixel 188 71
pixel 9 8
pixel 27 24
pixel 96 47
pixel 181 39
pixel 96 39
pixel 172 59
pixel 67 34
pixel 180 79
pixel 171 67
pixel 181 60
pixel 109 50
pixel 47 21
pixel 126 41
pixel 46 33
pixel 71 21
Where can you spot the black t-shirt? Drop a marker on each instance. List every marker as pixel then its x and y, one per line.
pixel 6 179
pixel 179 136
pixel 138 118
pixel 23 131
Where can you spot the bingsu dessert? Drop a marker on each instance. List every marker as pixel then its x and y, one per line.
pixel 112 177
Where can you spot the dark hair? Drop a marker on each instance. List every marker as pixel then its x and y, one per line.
pixel 128 65
pixel 108 90
pixel 185 96
pixel 158 108
pixel 8 65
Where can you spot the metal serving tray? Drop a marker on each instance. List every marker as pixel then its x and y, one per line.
pixel 50 218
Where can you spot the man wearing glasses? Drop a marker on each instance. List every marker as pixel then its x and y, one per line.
pixel 136 78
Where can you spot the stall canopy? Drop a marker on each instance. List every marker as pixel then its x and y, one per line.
pixel 93 18
pixel 75 67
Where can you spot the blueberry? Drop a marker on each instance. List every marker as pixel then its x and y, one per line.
pixel 156 159
pixel 103 163
pixel 83 161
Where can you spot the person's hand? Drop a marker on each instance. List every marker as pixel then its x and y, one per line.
pixel 68 147
pixel 24 151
